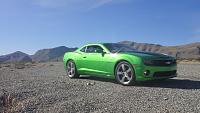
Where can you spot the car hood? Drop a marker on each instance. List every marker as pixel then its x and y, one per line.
pixel 146 55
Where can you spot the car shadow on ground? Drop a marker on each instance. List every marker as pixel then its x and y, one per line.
pixel 98 79
pixel 175 83
pixel 172 83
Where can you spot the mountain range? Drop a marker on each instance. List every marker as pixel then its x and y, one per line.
pixel 43 55
pixel 189 51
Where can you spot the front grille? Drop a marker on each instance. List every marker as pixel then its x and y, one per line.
pixel 163 62
pixel 164 73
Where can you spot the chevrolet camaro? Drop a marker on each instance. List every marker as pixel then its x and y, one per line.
pixel 120 62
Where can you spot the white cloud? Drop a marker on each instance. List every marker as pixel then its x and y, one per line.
pixel 72 4
pixel 100 3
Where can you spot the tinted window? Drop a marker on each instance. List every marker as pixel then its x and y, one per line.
pixel 115 47
pixel 83 49
pixel 94 49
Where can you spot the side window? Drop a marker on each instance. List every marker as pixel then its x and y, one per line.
pixel 94 49
pixel 90 49
pixel 98 49
pixel 83 49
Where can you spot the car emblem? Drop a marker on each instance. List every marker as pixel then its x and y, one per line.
pixel 168 62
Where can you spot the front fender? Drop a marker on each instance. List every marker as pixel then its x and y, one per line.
pixel 68 56
pixel 134 60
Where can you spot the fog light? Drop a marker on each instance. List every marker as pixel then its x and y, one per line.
pixel 147 72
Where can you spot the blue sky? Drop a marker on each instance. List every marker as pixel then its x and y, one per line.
pixel 29 25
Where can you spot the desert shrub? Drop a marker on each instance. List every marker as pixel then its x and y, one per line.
pixel 7 101
pixel 34 62
pixel 28 64
pixel 51 65
pixel 6 65
pixel 20 65
pixel 198 59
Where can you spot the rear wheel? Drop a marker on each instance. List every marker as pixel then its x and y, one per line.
pixel 71 69
pixel 124 73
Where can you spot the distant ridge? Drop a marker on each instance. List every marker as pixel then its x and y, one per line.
pixel 17 56
pixel 53 54
pixel 188 51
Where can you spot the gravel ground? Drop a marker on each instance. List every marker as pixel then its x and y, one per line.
pixel 44 87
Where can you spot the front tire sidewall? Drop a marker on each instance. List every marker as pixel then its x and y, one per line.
pixel 132 81
pixel 76 74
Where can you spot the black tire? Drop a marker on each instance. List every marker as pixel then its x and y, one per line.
pixel 71 69
pixel 125 74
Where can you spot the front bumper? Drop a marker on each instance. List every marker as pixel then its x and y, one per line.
pixel 155 72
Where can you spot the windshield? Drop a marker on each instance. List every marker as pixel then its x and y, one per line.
pixel 115 47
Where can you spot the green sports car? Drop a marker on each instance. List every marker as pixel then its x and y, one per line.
pixel 120 62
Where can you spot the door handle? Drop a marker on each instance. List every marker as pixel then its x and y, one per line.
pixel 84 57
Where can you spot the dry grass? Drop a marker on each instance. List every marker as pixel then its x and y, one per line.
pixel 7 102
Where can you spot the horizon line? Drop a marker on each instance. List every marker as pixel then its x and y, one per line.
pixel 95 42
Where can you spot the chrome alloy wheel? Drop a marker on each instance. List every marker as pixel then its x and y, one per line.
pixel 124 73
pixel 71 69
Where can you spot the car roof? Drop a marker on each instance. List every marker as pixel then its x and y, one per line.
pixel 100 43
pixel 93 44
pixel 90 44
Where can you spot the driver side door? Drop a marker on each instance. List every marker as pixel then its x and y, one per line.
pixel 94 61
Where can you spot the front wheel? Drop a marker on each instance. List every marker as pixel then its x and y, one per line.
pixel 124 73
pixel 71 69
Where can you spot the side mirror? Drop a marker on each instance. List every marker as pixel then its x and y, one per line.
pixel 103 52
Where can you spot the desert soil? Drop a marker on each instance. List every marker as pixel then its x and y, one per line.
pixel 44 87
